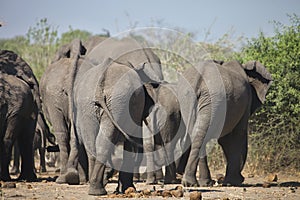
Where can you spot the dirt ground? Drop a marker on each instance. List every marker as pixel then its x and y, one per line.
pixel 286 187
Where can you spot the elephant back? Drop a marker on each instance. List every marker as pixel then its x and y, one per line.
pixel 125 51
pixel 16 95
pixel 12 64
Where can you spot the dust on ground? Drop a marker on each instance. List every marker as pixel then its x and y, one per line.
pixel 254 187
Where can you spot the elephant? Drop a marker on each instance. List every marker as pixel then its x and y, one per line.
pixel 18 113
pixel 41 136
pixel 162 131
pixel 217 99
pixel 110 61
pixel 13 64
pixel 55 90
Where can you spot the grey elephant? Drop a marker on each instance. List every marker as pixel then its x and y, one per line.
pixel 162 132
pixel 114 72
pixel 216 101
pixel 18 114
pixel 55 89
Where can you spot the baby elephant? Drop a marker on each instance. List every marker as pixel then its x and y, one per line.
pixel 162 132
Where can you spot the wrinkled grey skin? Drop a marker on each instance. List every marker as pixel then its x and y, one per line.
pixel 135 65
pixel 42 134
pixel 18 114
pixel 55 89
pixel 128 50
pixel 101 113
pixel 245 87
pixel 12 64
pixel 162 132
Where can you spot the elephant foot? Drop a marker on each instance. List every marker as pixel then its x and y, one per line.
pixel 43 169
pixel 233 181
pixel 61 179
pixel 14 171
pixel 27 177
pixel 72 177
pixel 96 191
pixel 189 181
pixel 171 181
pixel 206 182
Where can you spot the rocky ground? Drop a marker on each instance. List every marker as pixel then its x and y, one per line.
pixel 273 187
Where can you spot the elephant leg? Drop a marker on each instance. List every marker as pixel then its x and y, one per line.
pixel 182 161
pixel 235 149
pixel 63 143
pixel 149 150
pixel 103 150
pixel 83 164
pixel 170 176
pixel 197 137
pixel 204 173
pixel 72 174
pixel 42 159
pixel 16 162
pixel 25 141
pixel 96 180
pixel 5 153
pixel 125 175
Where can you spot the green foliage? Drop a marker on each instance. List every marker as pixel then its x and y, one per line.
pixel 67 37
pixel 42 40
pixel 275 128
pixel 40 44
pixel 37 48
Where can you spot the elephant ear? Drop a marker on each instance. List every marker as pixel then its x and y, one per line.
pixel 259 78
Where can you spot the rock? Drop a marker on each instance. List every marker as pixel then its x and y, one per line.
pixel 177 193
pixel 220 178
pixel 146 192
pixel 179 187
pixel 29 186
pixel 293 189
pixel 156 193
pixel 195 195
pixel 166 193
pixel 9 185
pixel 271 178
pixel 130 190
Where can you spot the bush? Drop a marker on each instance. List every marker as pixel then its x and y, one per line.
pixel 275 129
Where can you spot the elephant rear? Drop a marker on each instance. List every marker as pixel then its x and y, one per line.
pixel 19 115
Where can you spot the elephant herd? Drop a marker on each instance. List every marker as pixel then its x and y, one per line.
pixel 108 93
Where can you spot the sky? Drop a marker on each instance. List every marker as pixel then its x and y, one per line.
pixel 239 17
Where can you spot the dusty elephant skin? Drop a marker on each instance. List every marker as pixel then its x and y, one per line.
pixel 221 112
pixel 162 131
pixel 100 113
pixel 18 114
pixel 55 89
pixel 114 72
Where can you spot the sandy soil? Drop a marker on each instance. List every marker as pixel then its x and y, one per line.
pixel 286 187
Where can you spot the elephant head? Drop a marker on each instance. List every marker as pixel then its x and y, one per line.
pixel 260 80
pixel 71 50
